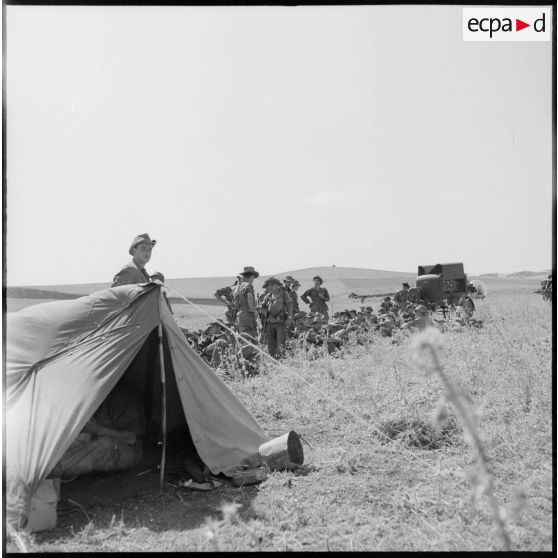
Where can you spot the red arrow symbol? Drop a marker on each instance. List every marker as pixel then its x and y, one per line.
pixel 519 25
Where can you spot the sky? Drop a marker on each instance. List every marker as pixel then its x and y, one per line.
pixel 276 137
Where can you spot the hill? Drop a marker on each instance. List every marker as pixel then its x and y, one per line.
pixel 338 280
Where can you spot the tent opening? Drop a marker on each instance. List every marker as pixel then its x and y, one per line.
pixel 126 429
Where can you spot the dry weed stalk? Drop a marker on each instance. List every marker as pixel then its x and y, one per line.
pixel 230 517
pixel 430 342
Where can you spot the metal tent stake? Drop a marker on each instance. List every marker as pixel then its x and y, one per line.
pixel 163 408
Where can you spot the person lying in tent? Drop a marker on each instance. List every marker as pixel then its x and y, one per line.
pixel 110 440
pixel 134 271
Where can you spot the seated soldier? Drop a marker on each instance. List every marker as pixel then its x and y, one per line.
pixel 421 321
pixel 248 355
pixel 317 336
pixel 300 324
pixel 213 343
pixel 386 304
pixel 388 325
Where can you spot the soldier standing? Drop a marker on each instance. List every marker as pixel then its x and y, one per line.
pixel 317 297
pixel 292 285
pixel 224 295
pixel 279 317
pixel 134 271
pixel 244 301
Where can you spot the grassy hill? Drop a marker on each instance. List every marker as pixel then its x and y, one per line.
pixel 340 282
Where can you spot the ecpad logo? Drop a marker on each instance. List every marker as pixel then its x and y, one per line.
pixel 507 24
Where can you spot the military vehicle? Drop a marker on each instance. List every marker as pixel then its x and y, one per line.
pixel 442 284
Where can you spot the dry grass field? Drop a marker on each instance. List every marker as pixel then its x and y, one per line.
pixel 376 477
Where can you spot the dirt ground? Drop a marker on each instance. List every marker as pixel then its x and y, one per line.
pixel 135 497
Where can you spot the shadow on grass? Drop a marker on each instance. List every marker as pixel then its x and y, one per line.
pixel 135 499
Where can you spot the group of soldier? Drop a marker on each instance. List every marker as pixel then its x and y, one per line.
pixel 275 319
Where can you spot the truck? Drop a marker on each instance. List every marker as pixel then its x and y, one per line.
pixel 442 284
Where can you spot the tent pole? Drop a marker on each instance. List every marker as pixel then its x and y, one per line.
pixel 163 407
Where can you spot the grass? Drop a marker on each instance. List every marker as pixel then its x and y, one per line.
pixel 360 491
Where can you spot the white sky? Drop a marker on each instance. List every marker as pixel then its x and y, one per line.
pixel 278 137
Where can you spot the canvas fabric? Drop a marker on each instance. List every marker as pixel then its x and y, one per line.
pixel 62 360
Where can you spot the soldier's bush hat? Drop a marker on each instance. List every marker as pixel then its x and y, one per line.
pixel 421 308
pixel 369 309
pixel 319 315
pixel 289 279
pixel 249 270
pixel 318 278
pixel 353 313
pixel 296 283
pixel 141 238
pixel 405 284
pixel 318 319
pixel 272 281
pixel 387 299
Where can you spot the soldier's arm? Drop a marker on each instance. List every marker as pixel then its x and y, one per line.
pixel 326 295
pixel 219 294
pixel 304 296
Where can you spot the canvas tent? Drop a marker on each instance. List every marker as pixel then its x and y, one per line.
pixel 62 360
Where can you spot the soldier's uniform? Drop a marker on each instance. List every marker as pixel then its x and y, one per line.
pixel 279 310
pixel 226 293
pixel 466 307
pixel 317 336
pixel 132 272
pixel 300 324
pixel 415 295
pixel 246 305
pixel 422 320
pixel 388 326
pixel 316 298
pixel 401 297
pixel 387 304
